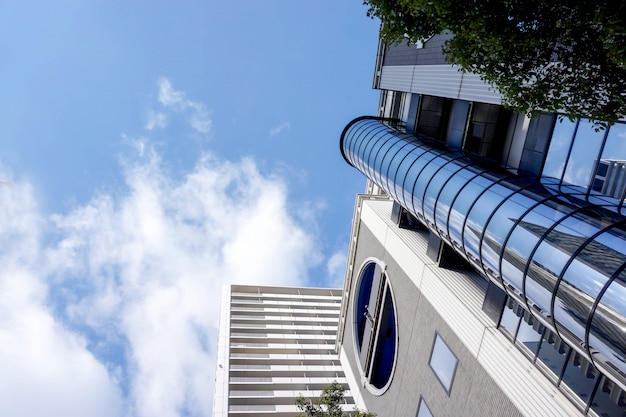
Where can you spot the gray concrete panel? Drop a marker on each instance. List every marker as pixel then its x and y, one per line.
pixel 430 54
pixel 473 392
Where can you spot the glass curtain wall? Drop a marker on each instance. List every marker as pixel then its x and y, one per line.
pixel 561 257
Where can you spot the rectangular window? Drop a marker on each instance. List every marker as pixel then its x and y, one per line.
pixel 579 376
pixel 583 154
pixel 536 144
pixel 487 130
pixel 553 353
pixel 560 144
pixel 434 113
pixel 511 317
pixel 443 362
pixel 423 410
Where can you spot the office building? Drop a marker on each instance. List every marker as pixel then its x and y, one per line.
pixel 610 178
pixel 487 268
pixel 275 343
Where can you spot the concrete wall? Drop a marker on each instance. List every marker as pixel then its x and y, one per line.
pixel 473 392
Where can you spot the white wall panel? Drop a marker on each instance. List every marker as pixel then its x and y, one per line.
pixel 453 310
pixel 397 78
pixel 438 80
pixel 475 89
pixel 373 222
pixel 527 388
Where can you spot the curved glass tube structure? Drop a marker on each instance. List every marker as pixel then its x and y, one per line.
pixel 563 257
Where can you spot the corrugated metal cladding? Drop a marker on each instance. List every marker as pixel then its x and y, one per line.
pixel 430 53
pixel 438 80
pixel 529 391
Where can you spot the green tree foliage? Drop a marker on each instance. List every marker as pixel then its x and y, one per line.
pixel 553 55
pixel 328 405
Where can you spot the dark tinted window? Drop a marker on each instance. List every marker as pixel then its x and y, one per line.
pixel 434 113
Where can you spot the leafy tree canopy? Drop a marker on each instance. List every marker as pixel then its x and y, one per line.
pixel 328 405
pixel 564 56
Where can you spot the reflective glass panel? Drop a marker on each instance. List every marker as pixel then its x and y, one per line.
pixel 360 135
pixel 365 145
pixel 411 179
pixel 443 363
pixel 603 404
pixel 525 236
pixel 615 146
pixel 462 204
pixel 613 157
pixel 586 149
pixel 579 376
pixel 423 410
pixel 372 149
pixel 448 194
pixel 362 300
pixel 390 163
pixel 516 252
pixel 607 326
pixel 583 280
pixel 418 156
pixel 498 228
pixel 425 177
pixel 552 353
pixel 529 337
pixel 560 142
pixel 435 187
pixel 543 272
pixel 510 321
pixel 478 216
pixel 398 168
pixel 388 147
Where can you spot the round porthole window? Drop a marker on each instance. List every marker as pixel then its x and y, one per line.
pixel 375 327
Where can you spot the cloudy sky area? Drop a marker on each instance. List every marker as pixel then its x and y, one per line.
pixel 151 152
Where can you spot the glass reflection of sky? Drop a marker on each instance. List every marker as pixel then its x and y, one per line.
pixel 559 147
pixel 584 153
pixel 537 215
pixel 443 362
pixel 613 298
pixel 615 147
pixel 498 227
pixel 586 149
pixel 548 263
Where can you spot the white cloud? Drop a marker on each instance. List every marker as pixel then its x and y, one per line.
pixel 199 117
pixel 134 286
pixel 46 368
pixel 280 128
pixel 155 120
pixel 336 268
pixel 168 96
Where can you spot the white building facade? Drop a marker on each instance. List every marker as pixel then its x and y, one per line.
pixel 276 343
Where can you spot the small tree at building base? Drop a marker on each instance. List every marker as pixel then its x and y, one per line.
pixel 328 405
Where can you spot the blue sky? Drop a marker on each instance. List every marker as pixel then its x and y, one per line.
pixel 149 153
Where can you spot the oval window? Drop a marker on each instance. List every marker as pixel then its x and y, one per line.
pixel 375 327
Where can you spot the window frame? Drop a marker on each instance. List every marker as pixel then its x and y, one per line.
pixel 366 370
pixel 437 372
pixel 421 404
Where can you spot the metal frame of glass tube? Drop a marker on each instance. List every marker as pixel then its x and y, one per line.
pixel 562 257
